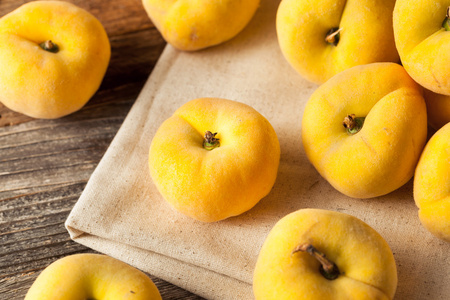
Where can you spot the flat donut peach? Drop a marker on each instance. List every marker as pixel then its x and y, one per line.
pixel 92 276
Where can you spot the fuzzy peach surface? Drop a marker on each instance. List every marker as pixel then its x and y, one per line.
pixel 42 84
pixel 226 181
pixel 423 43
pixel 432 184
pixel 193 25
pixel 365 262
pixel 382 156
pixel 438 109
pixel 366 35
pixel 92 276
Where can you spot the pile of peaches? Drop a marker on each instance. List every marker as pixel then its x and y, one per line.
pixel 383 76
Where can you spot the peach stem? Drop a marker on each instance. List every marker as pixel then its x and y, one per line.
pixel 328 269
pixel 446 24
pixel 333 36
pixel 353 124
pixel 49 46
pixel 210 142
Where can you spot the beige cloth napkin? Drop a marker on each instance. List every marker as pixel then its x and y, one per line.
pixel 120 212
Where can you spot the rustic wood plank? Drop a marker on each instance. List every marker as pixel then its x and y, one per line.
pixel 45 164
pixel 118 17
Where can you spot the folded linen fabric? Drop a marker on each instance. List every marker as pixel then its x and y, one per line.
pixel 120 212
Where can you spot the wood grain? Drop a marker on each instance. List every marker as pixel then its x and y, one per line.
pixel 45 164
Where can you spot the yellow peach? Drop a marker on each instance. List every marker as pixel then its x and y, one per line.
pixel 92 276
pixel 438 109
pixel 53 56
pixel 319 254
pixel 385 115
pixel 420 30
pixel 432 184
pixel 193 25
pixel 214 158
pixel 322 38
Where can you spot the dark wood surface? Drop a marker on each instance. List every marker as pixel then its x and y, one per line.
pixel 45 164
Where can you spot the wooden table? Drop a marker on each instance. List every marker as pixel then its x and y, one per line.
pixel 45 164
